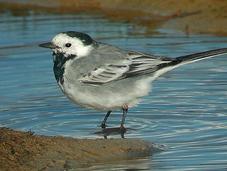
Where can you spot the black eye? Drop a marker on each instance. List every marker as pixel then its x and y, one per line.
pixel 68 44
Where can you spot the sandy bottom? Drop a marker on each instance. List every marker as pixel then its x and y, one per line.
pixel 26 151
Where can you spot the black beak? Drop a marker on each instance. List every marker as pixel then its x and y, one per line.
pixel 48 45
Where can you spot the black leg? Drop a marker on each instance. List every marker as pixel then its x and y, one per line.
pixel 122 128
pixel 103 125
pixel 125 111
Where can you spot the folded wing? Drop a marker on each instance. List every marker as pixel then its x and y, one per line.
pixel 135 64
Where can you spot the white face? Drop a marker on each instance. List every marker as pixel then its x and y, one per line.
pixel 70 45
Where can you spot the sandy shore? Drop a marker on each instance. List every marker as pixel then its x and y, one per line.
pixel 26 151
pixel 189 16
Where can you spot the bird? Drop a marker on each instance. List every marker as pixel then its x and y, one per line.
pixel 104 77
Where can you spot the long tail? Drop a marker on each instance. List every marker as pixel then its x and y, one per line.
pixel 182 60
pixel 200 56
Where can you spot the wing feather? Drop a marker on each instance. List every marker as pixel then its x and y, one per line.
pixel 134 64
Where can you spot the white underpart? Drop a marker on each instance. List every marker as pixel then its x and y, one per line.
pixel 112 101
pixel 99 101
pixel 77 47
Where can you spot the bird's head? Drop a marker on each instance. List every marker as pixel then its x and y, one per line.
pixel 71 43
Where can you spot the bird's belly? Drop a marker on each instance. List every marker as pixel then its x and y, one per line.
pixel 108 97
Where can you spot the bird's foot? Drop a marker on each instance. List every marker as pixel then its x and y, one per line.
pixel 113 131
pixel 122 128
pixel 103 125
pixel 122 131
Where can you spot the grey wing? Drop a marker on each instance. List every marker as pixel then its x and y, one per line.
pixel 134 64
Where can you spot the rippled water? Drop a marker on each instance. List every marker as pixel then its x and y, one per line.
pixel 186 110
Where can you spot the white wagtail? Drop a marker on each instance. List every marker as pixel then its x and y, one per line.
pixel 104 77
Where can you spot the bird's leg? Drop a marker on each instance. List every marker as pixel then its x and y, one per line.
pixel 103 125
pixel 125 111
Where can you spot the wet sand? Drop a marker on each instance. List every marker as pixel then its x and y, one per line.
pixel 189 16
pixel 26 151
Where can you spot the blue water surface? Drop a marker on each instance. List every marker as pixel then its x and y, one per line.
pixel 186 110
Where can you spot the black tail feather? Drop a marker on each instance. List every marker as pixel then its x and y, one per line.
pixel 201 55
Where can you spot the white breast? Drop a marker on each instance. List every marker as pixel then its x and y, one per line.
pixel 109 100
pixel 106 100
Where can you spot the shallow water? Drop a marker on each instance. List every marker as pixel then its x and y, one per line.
pixel 186 110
